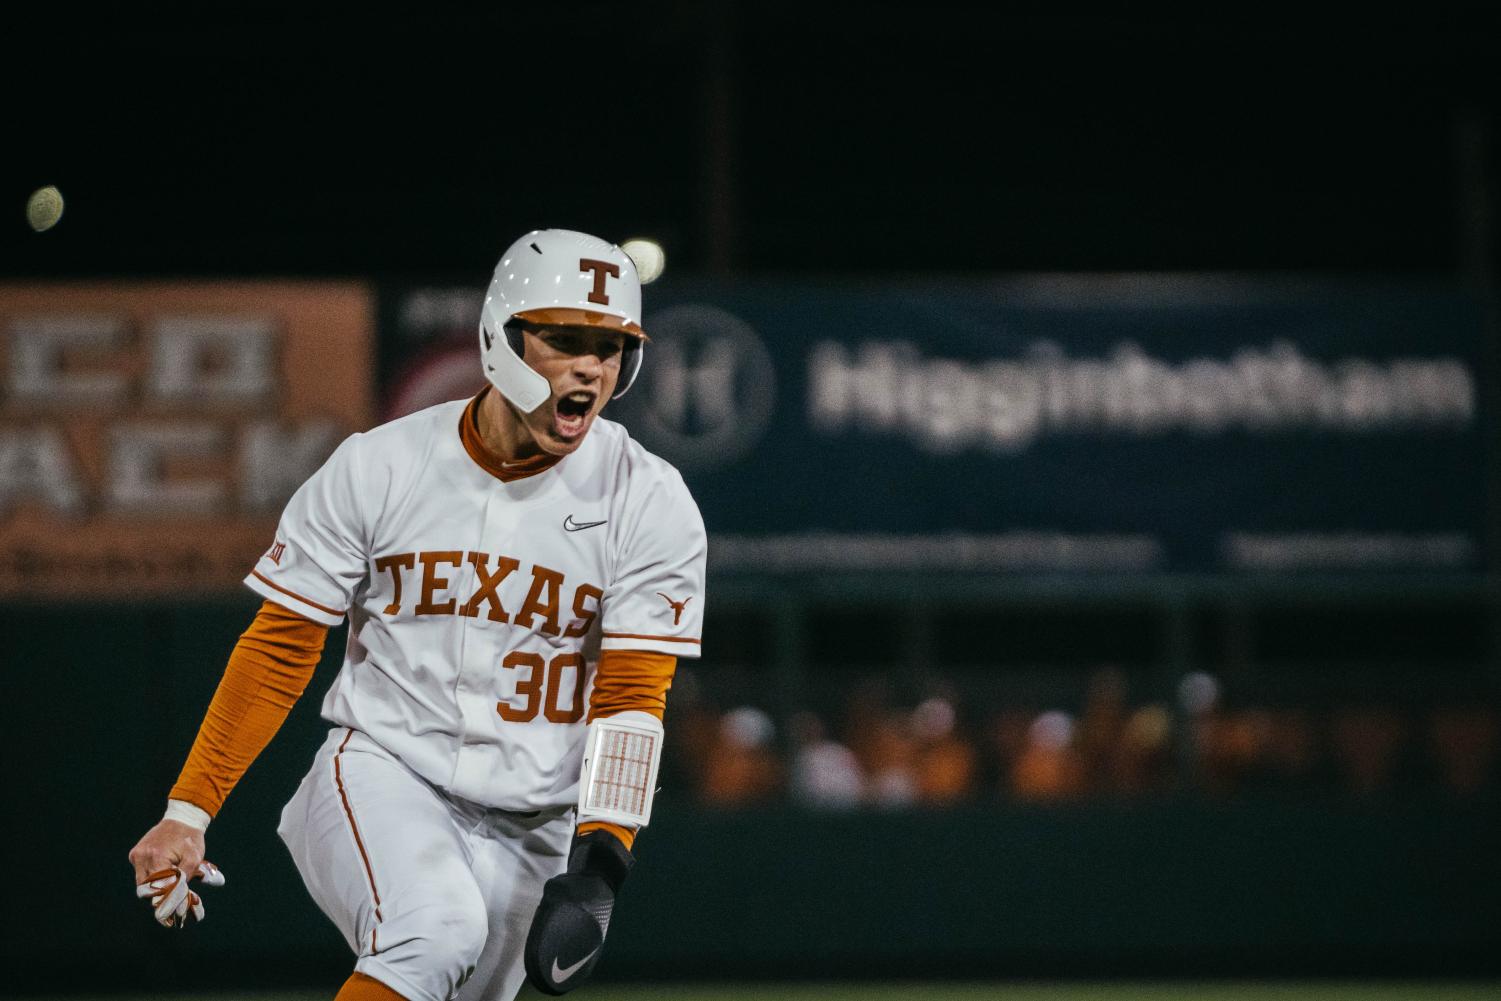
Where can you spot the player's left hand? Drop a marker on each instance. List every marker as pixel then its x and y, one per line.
pixel 569 927
pixel 172 902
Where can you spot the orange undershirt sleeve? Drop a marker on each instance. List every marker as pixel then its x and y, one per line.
pixel 268 670
pixel 359 987
pixel 629 680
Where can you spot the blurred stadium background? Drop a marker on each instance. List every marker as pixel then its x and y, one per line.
pixel 1095 420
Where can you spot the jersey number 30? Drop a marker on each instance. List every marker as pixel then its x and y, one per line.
pixel 530 688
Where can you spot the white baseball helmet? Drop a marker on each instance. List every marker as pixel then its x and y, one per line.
pixel 563 278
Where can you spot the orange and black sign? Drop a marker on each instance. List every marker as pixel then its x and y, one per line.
pixel 151 433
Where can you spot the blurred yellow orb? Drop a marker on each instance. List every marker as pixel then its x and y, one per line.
pixel 44 208
pixel 648 256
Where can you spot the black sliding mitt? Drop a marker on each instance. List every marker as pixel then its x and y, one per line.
pixel 569 927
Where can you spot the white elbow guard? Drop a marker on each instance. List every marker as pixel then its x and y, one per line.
pixel 619 774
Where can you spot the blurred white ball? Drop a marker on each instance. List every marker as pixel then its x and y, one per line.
pixel 44 208
pixel 648 256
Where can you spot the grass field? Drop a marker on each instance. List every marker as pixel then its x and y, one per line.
pixel 1125 991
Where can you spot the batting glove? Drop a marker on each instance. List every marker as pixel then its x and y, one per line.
pixel 172 902
pixel 569 927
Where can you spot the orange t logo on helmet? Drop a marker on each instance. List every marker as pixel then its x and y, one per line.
pixel 600 269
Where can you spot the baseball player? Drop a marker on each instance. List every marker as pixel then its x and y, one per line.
pixel 519 578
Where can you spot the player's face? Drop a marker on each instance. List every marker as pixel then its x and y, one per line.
pixel 582 364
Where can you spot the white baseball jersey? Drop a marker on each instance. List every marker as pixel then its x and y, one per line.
pixel 478 607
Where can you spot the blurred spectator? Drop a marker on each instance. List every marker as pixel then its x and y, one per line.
pixel 692 729
pixel 883 745
pixel 896 758
pixel 945 764
pixel 742 768
pixel 1240 748
pixel 1006 740
pixel 1101 725
pixel 889 755
pixel 1218 748
pixel 1366 741
pixel 1144 759
pixel 1231 750
pixel 1292 752
pixel 825 773
pixel 865 710
pixel 1462 740
pixel 1198 694
pixel 1050 767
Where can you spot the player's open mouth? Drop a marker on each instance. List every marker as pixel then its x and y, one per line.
pixel 572 413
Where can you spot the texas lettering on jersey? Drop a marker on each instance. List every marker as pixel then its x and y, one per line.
pixel 538 610
pixel 478 603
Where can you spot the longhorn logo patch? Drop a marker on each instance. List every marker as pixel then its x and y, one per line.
pixel 677 606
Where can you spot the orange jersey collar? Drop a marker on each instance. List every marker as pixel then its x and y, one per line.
pixel 487 460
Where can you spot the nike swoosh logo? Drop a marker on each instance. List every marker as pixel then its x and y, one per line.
pixel 569 525
pixel 561 974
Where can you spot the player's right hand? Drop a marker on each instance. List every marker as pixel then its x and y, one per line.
pixel 172 903
pixel 171 847
pixel 171 844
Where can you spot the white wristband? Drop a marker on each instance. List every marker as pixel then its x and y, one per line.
pixel 186 813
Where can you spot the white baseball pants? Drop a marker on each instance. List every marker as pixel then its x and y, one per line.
pixel 433 894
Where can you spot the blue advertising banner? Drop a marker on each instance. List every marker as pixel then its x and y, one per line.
pixel 1118 423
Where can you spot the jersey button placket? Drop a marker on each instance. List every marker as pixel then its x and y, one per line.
pixel 477 689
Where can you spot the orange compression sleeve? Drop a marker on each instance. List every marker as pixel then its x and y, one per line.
pixel 631 679
pixel 359 987
pixel 627 680
pixel 267 671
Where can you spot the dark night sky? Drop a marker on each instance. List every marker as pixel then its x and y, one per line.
pixel 891 138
